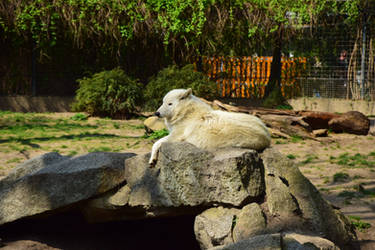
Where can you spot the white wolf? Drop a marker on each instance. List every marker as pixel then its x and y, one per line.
pixel 191 120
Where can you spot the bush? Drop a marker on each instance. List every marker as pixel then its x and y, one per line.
pixel 176 78
pixel 108 93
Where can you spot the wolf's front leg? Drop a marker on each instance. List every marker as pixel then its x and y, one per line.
pixel 155 151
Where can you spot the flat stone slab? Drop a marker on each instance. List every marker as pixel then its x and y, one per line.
pixel 52 181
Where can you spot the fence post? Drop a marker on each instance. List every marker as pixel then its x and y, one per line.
pixel 363 56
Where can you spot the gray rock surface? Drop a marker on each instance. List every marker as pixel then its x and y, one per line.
pixel 184 177
pixel 291 204
pixel 289 241
pixel 311 212
pixel 241 199
pixel 250 221
pixel 260 242
pixel 214 226
pixel 294 241
pixel 52 181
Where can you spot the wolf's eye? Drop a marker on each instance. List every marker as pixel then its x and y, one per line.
pixel 170 104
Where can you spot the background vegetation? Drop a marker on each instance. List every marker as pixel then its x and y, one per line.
pixel 108 93
pixel 143 37
pixel 176 78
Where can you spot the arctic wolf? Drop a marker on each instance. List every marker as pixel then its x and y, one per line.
pixel 191 120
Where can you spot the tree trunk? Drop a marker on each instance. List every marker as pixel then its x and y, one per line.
pixel 273 95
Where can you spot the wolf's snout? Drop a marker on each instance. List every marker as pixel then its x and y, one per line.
pixel 157 114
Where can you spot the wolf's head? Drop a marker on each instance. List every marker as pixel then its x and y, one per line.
pixel 171 102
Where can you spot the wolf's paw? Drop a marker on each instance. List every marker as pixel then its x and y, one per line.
pixel 152 163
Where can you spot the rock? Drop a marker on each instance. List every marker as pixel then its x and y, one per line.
pixel 352 122
pixel 291 204
pixel 220 226
pixel 27 245
pixel 52 181
pixel 313 213
pixel 260 242
pixel 289 241
pixel 214 226
pixel 320 132
pixel 184 177
pixel 153 124
pixel 293 241
pixel 250 221
pixel 241 199
pixel 279 199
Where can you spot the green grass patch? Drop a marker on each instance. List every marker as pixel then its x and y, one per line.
pixel 284 107
pixel 357 160
pixel 100 149
pixel 21 132
pixel 79 117
pixel 72 153
pixel 296 138
pixel 358 223
pixel 309 159
pixel 157 134
pixel 291 156
pixel 15 160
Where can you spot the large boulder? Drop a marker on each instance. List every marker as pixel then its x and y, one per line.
pixel 310 211
pixel 185 180
pixel 52 181
pixel 291 204
pixel 241 199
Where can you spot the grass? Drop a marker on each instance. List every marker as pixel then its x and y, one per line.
pixel 157 134
pixel 358 223
pixel 31 134
pixel 291 156
pixel 14 160
pixel 357 160
pixel 281 142
pixel 309 159
pixel 296 138
pixel 79 117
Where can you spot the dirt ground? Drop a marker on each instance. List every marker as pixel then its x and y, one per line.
pixel 341 166
pixel 347 180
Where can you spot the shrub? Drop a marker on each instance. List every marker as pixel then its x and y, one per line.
pixel 174 78
pixel 108 93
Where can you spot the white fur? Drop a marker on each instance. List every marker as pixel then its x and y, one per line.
pixel 191 120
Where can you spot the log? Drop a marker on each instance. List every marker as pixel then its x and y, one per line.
pixel 316 119
pixel 301 123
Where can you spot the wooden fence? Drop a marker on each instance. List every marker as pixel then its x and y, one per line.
pixel 247 77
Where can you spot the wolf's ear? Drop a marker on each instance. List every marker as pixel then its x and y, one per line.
pixel 187 93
